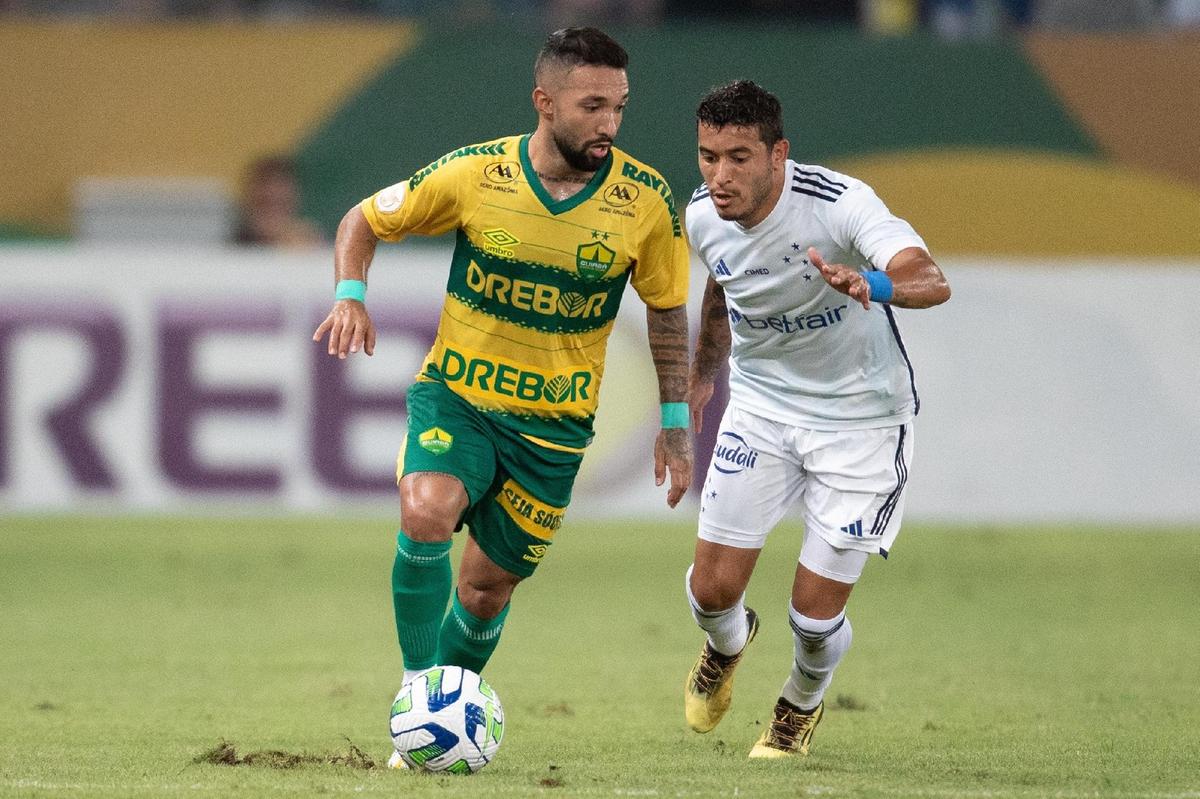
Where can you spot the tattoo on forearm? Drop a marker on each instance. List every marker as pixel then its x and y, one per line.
pixel 713 341
pixel 668 345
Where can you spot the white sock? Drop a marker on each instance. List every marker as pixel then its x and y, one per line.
pixel 820 645
pixel 727 629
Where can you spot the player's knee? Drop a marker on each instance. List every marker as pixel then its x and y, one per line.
pixel 484 599
pixel 712 595
pixel 430 510
pixel 427 523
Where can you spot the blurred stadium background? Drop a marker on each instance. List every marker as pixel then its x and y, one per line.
pixel 171 174
pixel 154 350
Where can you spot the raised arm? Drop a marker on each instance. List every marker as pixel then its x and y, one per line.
pixel 349 325
pixel 673 448
pixel 712 350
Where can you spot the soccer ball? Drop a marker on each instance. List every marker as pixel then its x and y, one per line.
pixel 447 719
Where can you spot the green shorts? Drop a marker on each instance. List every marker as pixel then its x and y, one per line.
pixel 518 491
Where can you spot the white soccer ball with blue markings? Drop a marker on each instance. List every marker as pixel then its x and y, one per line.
pixel 447 719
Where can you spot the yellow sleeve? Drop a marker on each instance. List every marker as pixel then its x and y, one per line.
pixel 429 203
pixel 660 274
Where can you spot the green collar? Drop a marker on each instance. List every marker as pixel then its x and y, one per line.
pixel 560 206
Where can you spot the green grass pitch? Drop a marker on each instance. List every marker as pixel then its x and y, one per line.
pixel 987 663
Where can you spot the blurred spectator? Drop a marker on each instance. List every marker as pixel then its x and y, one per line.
pixel 270 210
pixel 888 17
pixel 1182 13
pixel 1080 16
pixel 962 19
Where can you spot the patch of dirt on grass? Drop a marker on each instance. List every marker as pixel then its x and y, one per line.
pixel 226 754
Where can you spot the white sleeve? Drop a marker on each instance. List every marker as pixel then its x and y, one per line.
pixel 691 225
pixel 862 223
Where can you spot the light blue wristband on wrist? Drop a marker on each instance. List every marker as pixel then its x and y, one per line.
pixel 351 290
pixel 674 415
pixel 881 286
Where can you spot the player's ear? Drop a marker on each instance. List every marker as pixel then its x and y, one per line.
pixel 542 102
pixel 779 152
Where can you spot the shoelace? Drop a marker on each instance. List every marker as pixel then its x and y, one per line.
pixel 789 727
pixel 712 669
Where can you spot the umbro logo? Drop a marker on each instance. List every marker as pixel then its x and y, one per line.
pixel 536 553
pixel 722 269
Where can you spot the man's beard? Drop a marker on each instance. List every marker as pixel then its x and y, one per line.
pixel 580 159
pixel 759 196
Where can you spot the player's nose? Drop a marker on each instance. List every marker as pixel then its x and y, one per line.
pixel 608 125
pixel 723 174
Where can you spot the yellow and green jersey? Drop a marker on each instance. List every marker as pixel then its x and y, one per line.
pixel 535 283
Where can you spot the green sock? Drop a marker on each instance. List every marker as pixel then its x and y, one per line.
pixel 420 589
pixel 467 640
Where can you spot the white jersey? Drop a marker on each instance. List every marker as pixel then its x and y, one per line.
pixel 804 353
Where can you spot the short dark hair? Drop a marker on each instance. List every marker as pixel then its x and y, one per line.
pixel 575 47
pixel 743 103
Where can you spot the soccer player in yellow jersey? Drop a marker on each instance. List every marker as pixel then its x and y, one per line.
pixel 550 227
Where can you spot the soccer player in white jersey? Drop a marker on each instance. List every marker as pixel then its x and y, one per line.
pixel 805 265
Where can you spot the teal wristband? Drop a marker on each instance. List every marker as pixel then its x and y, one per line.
pixel 674 415
pixel 351 290
pixel 881 286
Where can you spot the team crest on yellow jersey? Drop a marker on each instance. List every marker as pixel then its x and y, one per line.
pixel 436 440
pixel 593 260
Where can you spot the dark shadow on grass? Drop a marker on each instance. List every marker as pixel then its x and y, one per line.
pixel 849 702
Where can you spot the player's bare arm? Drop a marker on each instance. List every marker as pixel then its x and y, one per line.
pixel 669 348
pixel 917 282
pixel 712 350
pixel 349 325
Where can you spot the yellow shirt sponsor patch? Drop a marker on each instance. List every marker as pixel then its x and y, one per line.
pixel 471 373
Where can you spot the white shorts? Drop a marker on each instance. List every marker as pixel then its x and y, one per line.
pixel 850 483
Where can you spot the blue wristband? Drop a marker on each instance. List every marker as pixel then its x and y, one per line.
pixel 881 286
pixel 351 290
pixel 674 415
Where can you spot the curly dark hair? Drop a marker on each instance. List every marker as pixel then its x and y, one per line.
pixel 574 47
pixel 743 103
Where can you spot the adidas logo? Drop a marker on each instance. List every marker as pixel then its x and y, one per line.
pixel 854 528
pixel 722 269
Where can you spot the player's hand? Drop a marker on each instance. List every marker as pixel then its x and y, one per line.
pixel 350 329
pixel 845 279
pixel 700 393
pixel 673 451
